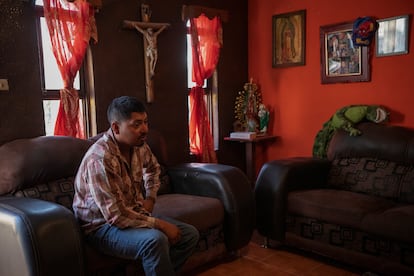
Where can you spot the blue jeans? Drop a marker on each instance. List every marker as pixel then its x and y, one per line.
pixel 149 245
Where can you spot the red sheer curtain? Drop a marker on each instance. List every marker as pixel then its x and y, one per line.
pixel 206 44
pixel 71 25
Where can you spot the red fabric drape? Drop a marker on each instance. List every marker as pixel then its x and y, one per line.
pixel 71 26
pixel 206 44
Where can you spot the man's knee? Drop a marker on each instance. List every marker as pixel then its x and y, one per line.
pixel 159 239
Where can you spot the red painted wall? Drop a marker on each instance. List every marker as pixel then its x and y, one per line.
pixel 300 104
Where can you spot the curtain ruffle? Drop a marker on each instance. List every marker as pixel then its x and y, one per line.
pixel 206 44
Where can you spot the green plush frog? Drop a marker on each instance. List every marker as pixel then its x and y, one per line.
pixel 346 118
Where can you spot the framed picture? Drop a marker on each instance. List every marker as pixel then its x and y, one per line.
pixel 289 39
pixel 392 36
pixel 341 61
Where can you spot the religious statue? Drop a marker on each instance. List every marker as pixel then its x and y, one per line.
pixel 151 51
pixel 150 31
pixel 246 108
pixel 263 118
pixel 252 124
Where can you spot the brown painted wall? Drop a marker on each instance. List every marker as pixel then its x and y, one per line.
pixel 21 107
pixel 119 70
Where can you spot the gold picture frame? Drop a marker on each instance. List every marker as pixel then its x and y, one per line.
pixel 392 36
pixel 289 39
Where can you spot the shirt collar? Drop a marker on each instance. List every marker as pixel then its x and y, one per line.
pixel 114 143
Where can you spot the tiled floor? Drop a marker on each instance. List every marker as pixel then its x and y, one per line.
pixel 273 262
pixel 259 261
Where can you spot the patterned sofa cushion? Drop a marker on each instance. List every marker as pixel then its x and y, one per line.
pixel 373 176
pixel 407 186
pixel 60 191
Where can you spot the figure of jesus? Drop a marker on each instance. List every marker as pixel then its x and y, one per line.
pixel 151 51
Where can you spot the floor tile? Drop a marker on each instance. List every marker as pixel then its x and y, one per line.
pixel 258 261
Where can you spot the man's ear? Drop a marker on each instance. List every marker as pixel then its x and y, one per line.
pixel 115 127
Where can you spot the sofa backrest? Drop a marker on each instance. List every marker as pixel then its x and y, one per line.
pixel 44 167
pixel 394 143
pixel 379 162
pixel 28 162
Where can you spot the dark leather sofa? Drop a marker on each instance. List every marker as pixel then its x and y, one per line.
pixel 40 236
pixel 356 206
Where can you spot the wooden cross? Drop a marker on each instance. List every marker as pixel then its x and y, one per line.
pixel 150 31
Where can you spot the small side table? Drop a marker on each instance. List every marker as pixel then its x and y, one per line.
pixel 250 145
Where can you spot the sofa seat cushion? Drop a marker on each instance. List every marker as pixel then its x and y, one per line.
pixel 98 263
pixel 201 212
pixel 396 223
pixel 336 206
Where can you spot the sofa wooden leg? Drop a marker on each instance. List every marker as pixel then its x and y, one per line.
pixel 265 242
pixel 240 252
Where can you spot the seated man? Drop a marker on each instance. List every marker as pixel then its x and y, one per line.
pixel 109 201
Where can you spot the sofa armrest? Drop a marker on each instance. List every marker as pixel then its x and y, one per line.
pixel 226 183
pixel 277 178
pixel 38 238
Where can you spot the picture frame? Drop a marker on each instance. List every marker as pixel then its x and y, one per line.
pixel 392 36
pixel 341 60
pixel 289 34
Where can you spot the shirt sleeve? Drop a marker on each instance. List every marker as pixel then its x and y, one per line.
pixel 152 172
pixel 105 182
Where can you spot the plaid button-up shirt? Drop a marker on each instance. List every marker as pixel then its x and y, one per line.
pixel 108 190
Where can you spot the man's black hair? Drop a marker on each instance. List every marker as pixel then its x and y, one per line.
pixel 121 108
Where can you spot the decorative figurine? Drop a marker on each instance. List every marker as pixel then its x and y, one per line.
pixel 247 106
pixel 264 115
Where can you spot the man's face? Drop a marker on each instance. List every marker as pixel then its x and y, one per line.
pixel 133 132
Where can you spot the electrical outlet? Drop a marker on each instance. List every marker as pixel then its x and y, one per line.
pixel 4 85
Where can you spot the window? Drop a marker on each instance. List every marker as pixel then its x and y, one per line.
pixel 52 80
pixel 211 96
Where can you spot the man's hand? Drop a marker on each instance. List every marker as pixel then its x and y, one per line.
pixel 169 229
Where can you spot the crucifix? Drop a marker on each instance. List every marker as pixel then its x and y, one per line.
pixel 150 31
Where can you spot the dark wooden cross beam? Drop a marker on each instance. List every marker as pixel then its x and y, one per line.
pixel 150 31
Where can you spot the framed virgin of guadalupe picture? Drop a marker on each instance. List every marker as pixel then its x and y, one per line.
pixel 289 39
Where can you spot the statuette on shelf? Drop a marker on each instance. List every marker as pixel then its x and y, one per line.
pixel 247 107
pixel 264 116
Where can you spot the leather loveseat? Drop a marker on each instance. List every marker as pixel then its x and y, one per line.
pixel 40 236
pixel 356 206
